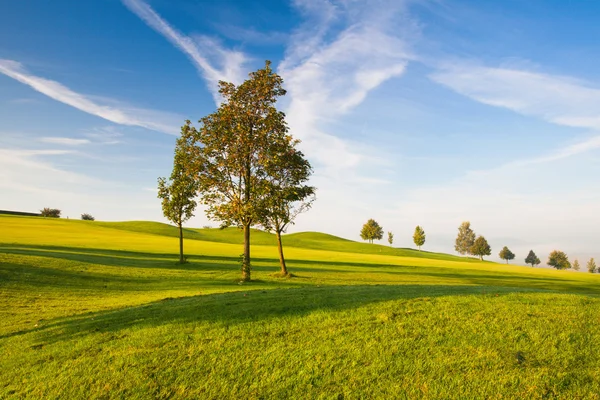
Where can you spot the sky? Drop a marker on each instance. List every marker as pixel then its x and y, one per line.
pixel 411 112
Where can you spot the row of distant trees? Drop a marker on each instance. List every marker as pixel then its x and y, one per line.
pixel 55 213
pixel 371 230
pixel 242 165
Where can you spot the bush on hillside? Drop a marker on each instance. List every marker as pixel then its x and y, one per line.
pixel 87 217
pixel 50 212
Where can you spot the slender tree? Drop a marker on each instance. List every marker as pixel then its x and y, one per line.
pixel 371 230
pixel 480 248
pixel 419 237
pixel 506 254
pixel 179 191
pixel 390 238
pixel 287 192
pixel 576 265
pixel 591 266
pixel 234 146
pixel 532 259
pixel 559 260
pixel 465 238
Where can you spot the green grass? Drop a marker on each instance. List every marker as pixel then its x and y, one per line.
pixel 102 310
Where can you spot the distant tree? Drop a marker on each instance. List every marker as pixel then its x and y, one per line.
pixel 371 231
pixel 506 254
pixel 480 248
pixel 576 265
pixel 50 212
pixel 390 238
pixel 419 237
pixel 532 259
pixel 234 147
pixel 287 194
pixel 591 266
pixel 465 239
pixel 179 191
pixel 87 217
pixel 558 260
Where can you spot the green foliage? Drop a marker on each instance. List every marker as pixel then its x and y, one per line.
pixel 419 237
pixel 576 265
pixel 480 248
pixel 506 254
pixel 591 266
pixel 179 192
pixel 50 212
pixel 371 231
pixel 558 260
pixel 532 259
pixel 465 239
pixel 234 150
pixel 390 238
pixel 87 217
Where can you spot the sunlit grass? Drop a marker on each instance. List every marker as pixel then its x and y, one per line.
pixel 96 310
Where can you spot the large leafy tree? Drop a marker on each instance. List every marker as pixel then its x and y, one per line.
pixel 178 193
pixel 465 238
pixel 419 237
pixel 480 248
pixel 591 266
pixel 559 260
pixel 50 212
pixel 506 254
pixel 287 194
pixel 532 259
pixel 371 231
pixel 234 146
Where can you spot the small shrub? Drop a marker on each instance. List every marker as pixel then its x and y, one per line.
pixel 87 217
pixel 50 212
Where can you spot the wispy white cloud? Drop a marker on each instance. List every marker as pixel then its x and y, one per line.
pixel 212 60
pixel 149 119
pixel 64 141
pixel 329 71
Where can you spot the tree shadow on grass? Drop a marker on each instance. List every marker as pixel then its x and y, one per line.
pixel 233 308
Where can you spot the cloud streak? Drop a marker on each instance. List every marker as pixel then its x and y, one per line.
pixel 212 61
pixel 149 119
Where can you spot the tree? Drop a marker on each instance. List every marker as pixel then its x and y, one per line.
pixel 233 147
pixel 371 230
pixel 179 191
pixel 419 237
pixel 50 212
pixel 87 217
pixel 287 193
pixel 480 248
pixel 465 238
pixel 506 254
pixel 532 259
pixel 558 260
pixel 576 265
pixel 390 238
pixel 591 266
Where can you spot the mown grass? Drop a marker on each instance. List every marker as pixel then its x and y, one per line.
pixel 96 310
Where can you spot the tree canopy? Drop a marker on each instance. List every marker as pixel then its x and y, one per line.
pixel 576 265
pixel 506 254
pixel 50 212
pixel 179 191
pixel 532 259
pixel 480 248
pixel 591 266
pixel 465 239
pixel 558 260
pixel 87 217
pixel 390 238
pixel 234 148
pixel 419 237
pixel 371 231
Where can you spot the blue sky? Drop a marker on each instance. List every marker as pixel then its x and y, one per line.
pixel 411 112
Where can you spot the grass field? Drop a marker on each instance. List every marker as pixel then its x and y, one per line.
pixel 102 310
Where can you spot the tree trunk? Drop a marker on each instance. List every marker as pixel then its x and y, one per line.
pixel 181 259
pixel 246 259
pixel 507 261
pixel 284 270
pixel 481 258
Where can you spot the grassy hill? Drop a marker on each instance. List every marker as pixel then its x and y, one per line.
pixel 102 310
